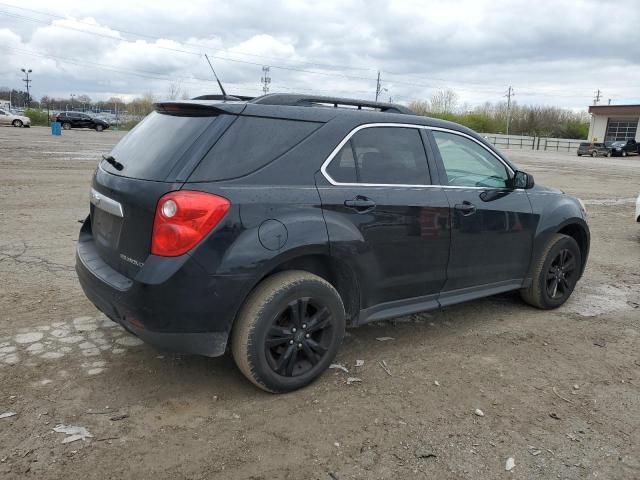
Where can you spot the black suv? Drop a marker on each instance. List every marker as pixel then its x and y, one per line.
pixel 80 120
pixel 272 224
pixel 624 148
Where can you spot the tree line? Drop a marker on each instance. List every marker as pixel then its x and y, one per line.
pixel 530 120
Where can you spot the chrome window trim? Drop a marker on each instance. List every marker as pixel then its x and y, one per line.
pixel 325 164
pixel 106 204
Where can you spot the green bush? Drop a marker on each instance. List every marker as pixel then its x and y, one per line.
pixel 38 117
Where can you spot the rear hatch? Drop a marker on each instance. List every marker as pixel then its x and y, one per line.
pixel 155 158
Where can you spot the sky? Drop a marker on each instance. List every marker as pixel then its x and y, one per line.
pixel 551 52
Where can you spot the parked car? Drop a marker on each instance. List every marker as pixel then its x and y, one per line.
pixel 80 120
pixel 9 118
pixel 622 148
pixel 594 149
pixel 638 209
pixel 272 224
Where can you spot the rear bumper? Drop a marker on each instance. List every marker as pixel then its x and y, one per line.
pixel 188 312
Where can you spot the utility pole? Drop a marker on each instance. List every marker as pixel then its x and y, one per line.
pixel 596 99
pixel 378 86
pixel 509 95
pixel 27 82
pixel 265 79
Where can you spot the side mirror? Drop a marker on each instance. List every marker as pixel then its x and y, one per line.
pixel 522 180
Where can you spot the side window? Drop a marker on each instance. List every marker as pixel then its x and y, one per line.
pixel 467 164
pixel 382 155
pixel 343 166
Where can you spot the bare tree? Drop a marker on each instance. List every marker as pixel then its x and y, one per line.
pixel 444 101
pixel 175 88
pixel 421 107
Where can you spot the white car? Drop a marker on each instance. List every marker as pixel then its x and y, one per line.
pixel 638 209
pixel 8 118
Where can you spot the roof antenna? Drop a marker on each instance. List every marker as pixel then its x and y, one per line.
pixel 224 94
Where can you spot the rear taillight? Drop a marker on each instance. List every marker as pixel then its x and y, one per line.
pixel 184 218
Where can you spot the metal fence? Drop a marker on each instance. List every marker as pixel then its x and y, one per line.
pixel 533 143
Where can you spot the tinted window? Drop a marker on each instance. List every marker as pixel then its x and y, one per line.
pixel 382 155
pixel 468 164
pixel 343 166
pixel 249 144
pixel 156 144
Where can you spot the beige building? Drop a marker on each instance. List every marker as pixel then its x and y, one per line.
pixel 610 123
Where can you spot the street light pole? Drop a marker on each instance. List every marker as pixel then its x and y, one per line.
pixel 72 95
pixel 27 82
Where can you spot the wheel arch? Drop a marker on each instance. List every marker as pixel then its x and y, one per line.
pixel 336 272
pixel 578 232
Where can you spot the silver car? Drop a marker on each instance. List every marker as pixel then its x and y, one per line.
pixel 8 118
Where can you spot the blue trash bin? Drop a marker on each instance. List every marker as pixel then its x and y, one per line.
pixel 56 128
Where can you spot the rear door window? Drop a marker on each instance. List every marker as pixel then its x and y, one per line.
pixel 251 143
pixel 153 148
pixel 382 156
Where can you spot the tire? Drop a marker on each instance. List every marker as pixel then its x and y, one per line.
pixel 17 123
pixel 66 126
pixel 594 154
pixel 608 154
pixel 546 274
pixel 268 316
pixel 99 128
pixel 624 153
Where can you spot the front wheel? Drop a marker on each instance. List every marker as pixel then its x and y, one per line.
pixel 624 154
pixel 288 331
pixel 66 126
pixel 17 123
pixel 608 154
pixel 554 274
pixel 99 128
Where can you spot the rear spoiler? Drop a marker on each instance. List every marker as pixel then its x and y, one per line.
pixel 198 109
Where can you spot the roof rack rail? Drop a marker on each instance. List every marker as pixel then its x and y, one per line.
pixel 223 97
pixel 293 99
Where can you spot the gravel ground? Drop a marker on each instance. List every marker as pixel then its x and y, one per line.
pixel 559 390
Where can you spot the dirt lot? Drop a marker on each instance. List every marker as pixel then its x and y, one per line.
pixel 559 390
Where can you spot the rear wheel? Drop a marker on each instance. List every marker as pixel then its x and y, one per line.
pixel 17 123
pixel 66 125
pixel 289 331
pixel 99 128
pixel 554 274
pixel 594 154
pixel 608 153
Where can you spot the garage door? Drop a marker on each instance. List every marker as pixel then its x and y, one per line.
pixel 621 130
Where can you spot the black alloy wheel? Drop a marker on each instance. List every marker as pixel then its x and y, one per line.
pixel 299 337
pixel 561 276
pixel 554 273
pixel 288 331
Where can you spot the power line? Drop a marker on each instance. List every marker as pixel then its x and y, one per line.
pixel 246 62
pixel 151 37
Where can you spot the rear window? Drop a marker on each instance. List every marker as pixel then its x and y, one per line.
pixel 155 145
pixel 249 144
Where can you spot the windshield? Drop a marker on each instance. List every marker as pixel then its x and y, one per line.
pixel 153 148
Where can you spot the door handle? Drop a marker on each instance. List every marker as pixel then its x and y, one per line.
pixel 360 204
pixel 466 208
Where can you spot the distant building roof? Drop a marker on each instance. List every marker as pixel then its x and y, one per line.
pixel 615 109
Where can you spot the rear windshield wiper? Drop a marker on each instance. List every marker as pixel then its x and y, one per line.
pixel 113 162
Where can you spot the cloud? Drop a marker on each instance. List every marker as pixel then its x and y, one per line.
pixel 552 52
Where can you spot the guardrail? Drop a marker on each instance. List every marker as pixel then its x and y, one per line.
pixel 533 143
